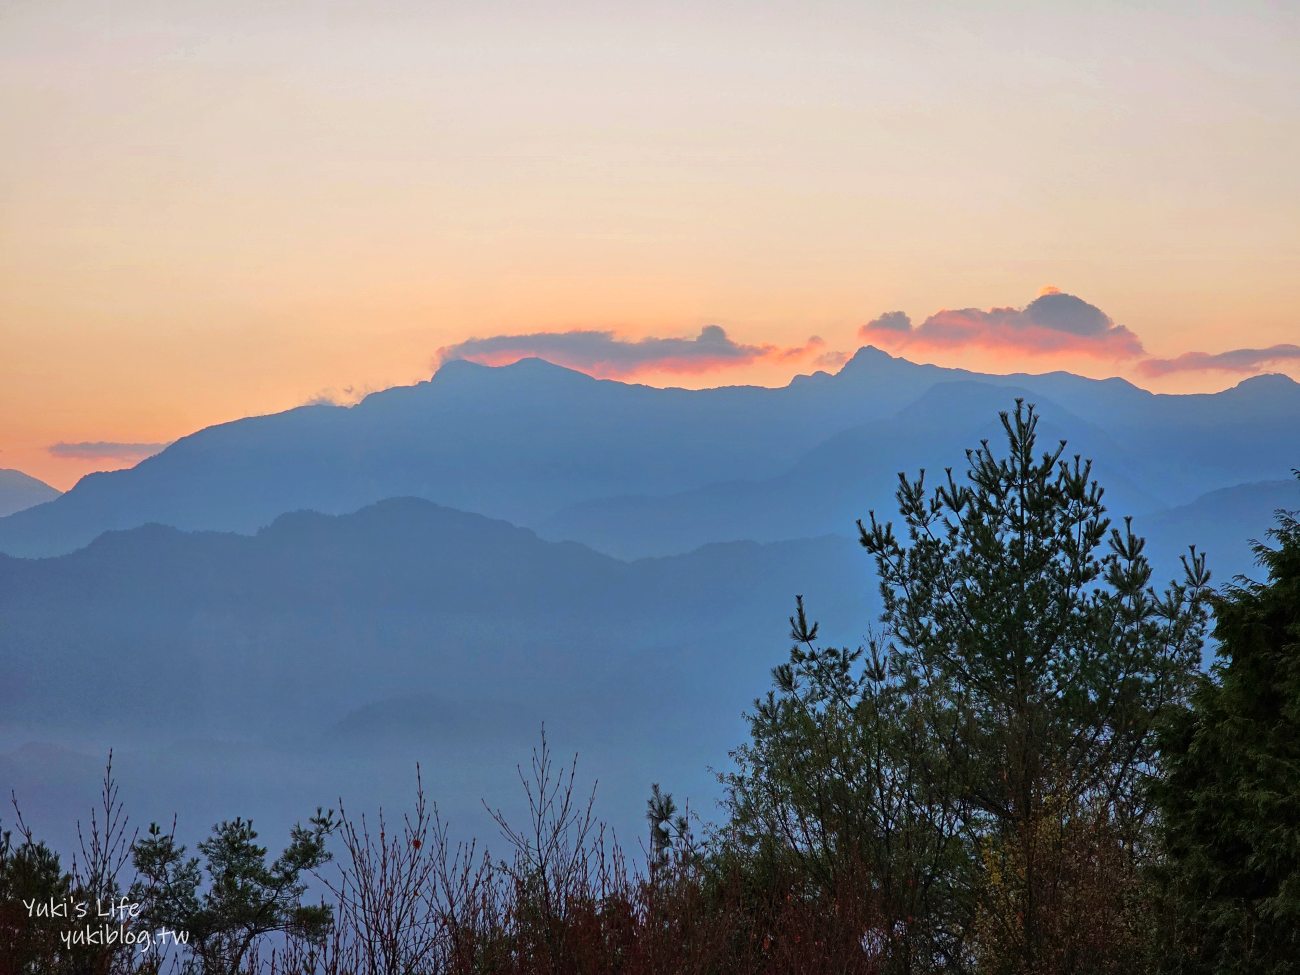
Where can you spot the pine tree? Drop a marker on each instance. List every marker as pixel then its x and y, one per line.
pixel 247 897
pixel 988 755
pixel 1231 798
pixel 30 873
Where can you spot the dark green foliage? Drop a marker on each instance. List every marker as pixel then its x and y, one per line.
pixel 998 737
pixel 247 898
pixel 837 784
pixel 67 923
pixel 669 829
pixel 30 871
pixel 1231 799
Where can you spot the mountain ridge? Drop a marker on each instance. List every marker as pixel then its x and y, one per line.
pixel 20 491
pixel 530 440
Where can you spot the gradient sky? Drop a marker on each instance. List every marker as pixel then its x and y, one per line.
pixel 210 210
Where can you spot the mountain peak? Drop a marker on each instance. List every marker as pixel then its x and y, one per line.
pixel 9 475
pixel 1268 391
pixel 1268 380
pixel 867 358
pixel 531 367
pixel 19 491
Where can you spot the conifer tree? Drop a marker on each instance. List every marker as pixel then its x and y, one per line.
pixel 246 899
pixel 1231 799
pixel 988 754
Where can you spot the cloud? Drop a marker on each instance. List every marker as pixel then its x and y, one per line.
pixel 106 450
pixel 602 353
pixel 334 396
pixel 831 360
pixel 1234 360
pixel 1059 327
pixel 890 321
pixel 1054 322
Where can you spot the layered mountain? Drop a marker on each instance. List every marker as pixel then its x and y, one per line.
pixel 848 475
pixel 316 615
pixel 553 449
pixel 1226 524
pixel 324 655
pixel 517 442
pixel 19 491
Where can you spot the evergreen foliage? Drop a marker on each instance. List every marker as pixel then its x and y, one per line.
pixel 30 872
pixel 988 753
pixel 246 898
pixel 1231 799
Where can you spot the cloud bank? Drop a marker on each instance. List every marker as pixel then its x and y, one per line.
pixel 1052 323
pixel 1057 327
pixel 1056 323
pixel 1234 360
pixel 602 353
pixel 105 450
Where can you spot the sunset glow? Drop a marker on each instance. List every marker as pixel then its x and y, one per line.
pixel 218 210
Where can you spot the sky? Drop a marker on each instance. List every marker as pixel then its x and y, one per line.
pixel 212 210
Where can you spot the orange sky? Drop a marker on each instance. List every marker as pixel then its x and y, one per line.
pixel 210 210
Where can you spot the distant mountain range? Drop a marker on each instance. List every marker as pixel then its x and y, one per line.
pixel 337 651
pixel 19 491
pixel 316 615
pixel 552 449
pixel 311 601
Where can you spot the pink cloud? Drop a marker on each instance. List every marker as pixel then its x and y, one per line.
pixel 831 360
pixel 1052 323
pixel 1233 360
